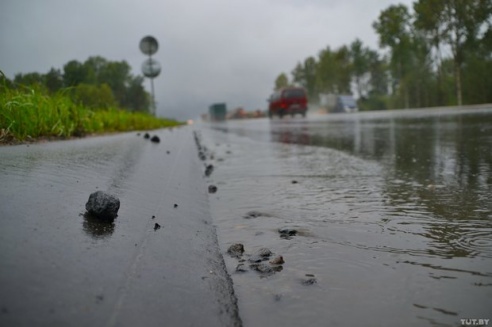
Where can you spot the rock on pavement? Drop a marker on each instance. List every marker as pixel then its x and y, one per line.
pixel 103 205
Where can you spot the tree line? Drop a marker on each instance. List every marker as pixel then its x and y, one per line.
pixel 438 53
pixel 95 83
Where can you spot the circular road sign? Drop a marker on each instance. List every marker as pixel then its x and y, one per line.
pixel 148 45
pixel 151 68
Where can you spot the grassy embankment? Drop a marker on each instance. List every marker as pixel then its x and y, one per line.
pixel 30 114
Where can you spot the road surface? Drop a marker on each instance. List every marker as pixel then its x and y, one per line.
pixel 61 269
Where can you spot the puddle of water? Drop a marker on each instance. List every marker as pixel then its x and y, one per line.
pixel 386 243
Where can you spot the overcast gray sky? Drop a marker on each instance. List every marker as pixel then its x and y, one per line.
pixel 210 50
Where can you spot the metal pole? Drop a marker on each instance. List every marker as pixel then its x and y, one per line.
pixel 153 109
pixel 153 97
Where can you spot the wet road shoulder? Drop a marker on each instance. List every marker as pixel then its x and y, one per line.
pixel 60 268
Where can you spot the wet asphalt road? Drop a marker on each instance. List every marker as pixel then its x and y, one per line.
pixel 61 269
pixel 391 212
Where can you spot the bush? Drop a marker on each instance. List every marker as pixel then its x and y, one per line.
pixel 94 96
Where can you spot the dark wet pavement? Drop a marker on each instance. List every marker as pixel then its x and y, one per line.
pixel 393 213
pixel 381 219
pixel 59 268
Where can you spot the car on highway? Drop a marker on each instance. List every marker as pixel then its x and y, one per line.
pixel 346 103
pixel 288 101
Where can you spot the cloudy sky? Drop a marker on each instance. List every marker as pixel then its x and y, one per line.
pixel 210 50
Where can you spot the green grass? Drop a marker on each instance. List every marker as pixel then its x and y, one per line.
pixel 30 114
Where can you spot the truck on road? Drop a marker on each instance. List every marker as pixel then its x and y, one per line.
pixel 217 112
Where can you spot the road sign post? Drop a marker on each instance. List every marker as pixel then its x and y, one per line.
pixel 151 68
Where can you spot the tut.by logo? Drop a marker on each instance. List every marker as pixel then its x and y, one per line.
pixel 474 322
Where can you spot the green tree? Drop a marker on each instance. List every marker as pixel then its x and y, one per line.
pixel 458 24
pixel 394 29
pixel 281 81
pixel 29 79
pixel 378 73
pixel 305 75
pixel 137 99
pixel 360 58
pixel 53 80
pixel 377 94
pixel 95 96
pixel 333 74
pixel 116 75
pixel 74 73
pixel 95 67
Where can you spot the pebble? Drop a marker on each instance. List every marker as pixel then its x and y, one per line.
pixel 256 259
pixel 277 260
pixel 212 189
pixel 240 268
pixel 253 214
pixel 156 226
pixel 287 232
pixel 262 268
pixel 236 250
pixel 155 139
pixel 103 205
pixel 264 252
pixel 309 281
pixel 208 170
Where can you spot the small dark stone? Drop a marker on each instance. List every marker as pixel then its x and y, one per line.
pixel 255 214
pixel 294 182
pixel 156 226
pixel 208 170
pixel 240 268
pixel 168 152
pixel 277 260
pixel 264 252
pixel 212 189
pixel 286 232
pixel 309 281
pixel 175 205
pixel 252 214
pixel 153 217
pixel 155 139
pixel 262 268
pixel 256 259
pixel 236 250
pixel 146 136
pixel 103 205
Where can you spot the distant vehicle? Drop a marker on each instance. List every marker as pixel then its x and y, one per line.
pixel 346 103
pixel 288 101
pixel 217 112
pixel 338 103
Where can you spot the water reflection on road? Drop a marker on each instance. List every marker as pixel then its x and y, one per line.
pixel 396 209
